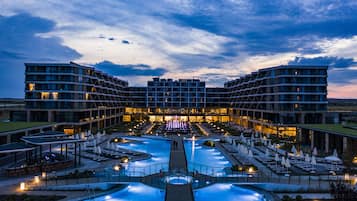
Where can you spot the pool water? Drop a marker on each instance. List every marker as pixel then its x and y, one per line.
pixel 226 192
pixel 160 155
pixel 205 160
pixel 134 192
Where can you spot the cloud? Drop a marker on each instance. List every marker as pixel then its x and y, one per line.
pixel 333 62
pixel 19 43
pixel 129 70
pixel 185 37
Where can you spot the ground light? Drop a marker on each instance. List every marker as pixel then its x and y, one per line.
pixel 116 167
pixel 43 175
pixel 22 186
pixel 36 179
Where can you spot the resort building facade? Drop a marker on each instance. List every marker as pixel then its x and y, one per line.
pixel 183 99
pixel 79 96
pixel 272 100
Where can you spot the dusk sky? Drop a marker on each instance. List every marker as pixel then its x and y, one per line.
pixel 214 40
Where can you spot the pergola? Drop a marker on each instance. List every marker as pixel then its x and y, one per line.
pixel 14 148
pixel 54 138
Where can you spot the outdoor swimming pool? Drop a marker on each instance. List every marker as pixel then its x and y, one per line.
pixel 226 192
pixel 205 160
pixel 134 191
pixel 159 150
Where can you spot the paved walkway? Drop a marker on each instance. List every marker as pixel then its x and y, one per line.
pixel 177 157
pixel 178 163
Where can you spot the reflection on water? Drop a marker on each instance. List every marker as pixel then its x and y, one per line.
pixel 159 150
pixel 204 159
pixel 134 192
pixel 226 192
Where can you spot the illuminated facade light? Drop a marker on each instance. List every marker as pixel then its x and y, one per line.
pixel 22 186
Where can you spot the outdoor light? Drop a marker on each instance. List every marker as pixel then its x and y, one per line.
pixel 354 161
pixel 250 170
pixel 116 168
pixel 43 175
pixel 130 129
pixel 115 139
pixel 36 179
pixel 22 186
pixel 347 176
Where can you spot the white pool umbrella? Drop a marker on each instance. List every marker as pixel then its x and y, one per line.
pixel 307 158
pixel 301 153
pixel 335 153
pixel 287 163
pixel 283 161
pixel 314 152
pixel 250 153
pixel 293 149
pixel 276 157
pixel 99 150
pixel 313 160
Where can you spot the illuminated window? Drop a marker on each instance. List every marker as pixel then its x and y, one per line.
pixel 296 105
pixel 31 86
pixel 87 96
pixel 45 95
pixel 55 95
pixel 93 89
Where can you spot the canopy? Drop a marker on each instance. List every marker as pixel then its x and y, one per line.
pixel 15 147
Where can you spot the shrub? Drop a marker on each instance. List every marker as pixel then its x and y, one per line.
pixel 286 198
pixel 298 198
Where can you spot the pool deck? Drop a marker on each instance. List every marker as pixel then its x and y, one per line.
pixel 178 163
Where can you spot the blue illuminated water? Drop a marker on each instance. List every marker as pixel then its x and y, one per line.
pixel 205 160
pixel 159 150
pixel 226 192
pixel 135 192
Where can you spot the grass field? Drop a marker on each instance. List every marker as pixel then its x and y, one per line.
pixel 10 126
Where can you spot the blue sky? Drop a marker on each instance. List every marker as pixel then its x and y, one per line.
pixel 215 40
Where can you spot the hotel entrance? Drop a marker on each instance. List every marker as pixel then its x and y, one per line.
pixel 183 118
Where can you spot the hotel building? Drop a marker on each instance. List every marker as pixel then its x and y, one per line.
pixel 275 100
pixel 271 100
pixel 79 96
pixel 184 99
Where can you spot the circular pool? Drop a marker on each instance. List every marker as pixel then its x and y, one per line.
pixel 178 180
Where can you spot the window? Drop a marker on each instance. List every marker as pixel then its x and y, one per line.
pixel 45 95
pixel 55 95
pixel 31 86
